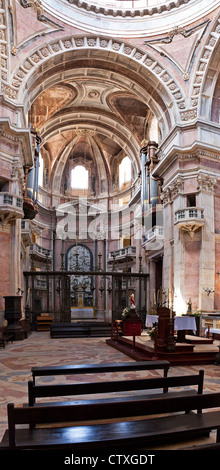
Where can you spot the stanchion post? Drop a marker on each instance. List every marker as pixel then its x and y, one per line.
pixel 134 336
pixel 155 345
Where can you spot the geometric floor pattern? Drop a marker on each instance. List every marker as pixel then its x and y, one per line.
pixel 17 359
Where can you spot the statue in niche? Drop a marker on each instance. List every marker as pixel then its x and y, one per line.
pixel 93 185
pixel 45 177
pixel 103 186
pixel 114 176
pixel 189 310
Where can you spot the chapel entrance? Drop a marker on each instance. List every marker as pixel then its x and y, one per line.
pixel 79 258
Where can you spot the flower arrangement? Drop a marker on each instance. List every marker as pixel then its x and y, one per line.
pixel 197 313
pixel 152 331
pixel 126 312
pixel 132 310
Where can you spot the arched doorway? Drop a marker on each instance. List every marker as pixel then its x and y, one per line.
pixel 80 258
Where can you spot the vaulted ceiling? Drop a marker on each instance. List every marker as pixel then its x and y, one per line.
pixel 89 118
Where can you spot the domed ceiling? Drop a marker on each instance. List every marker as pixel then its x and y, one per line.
pixel 132 18
pixel 89 121
pixel 94 105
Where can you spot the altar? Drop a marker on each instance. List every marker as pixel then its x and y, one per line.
pixel 181 324
pixel 150 320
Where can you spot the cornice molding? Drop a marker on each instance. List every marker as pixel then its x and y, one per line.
pixel 126 12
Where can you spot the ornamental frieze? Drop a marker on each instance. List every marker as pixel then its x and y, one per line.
pixel 120 47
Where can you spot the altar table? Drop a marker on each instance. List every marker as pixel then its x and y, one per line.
pixel 180 324
pixel 150 320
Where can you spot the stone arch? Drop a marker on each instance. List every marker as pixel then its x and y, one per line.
pixel 206 75
pixel 165 97
pixel 85 123
pixel 83 246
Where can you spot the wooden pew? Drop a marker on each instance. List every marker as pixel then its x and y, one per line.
pixel 112 435
pixel 211 446
pixel 157 383
pixel 99 368
pixel 5 337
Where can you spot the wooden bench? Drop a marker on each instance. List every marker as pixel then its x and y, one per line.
pixel 99 368
pixel 157 383
pixel 5 337
pixel 180 425
pixel 80 329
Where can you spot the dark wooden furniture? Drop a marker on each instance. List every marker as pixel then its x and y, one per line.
pixel 44 322
pixel 5 337
pixel 164 383
pixel 211 446
pixel 181 424
pixel 80 329
pixel 97 368
pixel 132 325
pixel 13 315
pixel 165 328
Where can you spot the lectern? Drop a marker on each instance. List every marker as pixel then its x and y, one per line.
pixel 165 338
pixel 13 315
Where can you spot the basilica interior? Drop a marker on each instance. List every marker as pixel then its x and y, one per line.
pixel 110 175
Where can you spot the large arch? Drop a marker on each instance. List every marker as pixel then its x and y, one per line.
pixel 162 90
pixel 82 65
pixel 206 76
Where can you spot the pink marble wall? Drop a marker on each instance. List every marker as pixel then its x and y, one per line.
pixel 217 276
pixel 4 271
pixel 192 265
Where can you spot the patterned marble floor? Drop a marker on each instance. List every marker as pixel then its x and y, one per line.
pixel 17 359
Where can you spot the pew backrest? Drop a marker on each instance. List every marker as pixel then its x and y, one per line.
pixel 61 390
pixel 105 410
pixel 100 368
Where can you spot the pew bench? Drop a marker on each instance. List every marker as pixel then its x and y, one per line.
pixel 5 337
pixel 100 368
pixel 180 425
pixel 91 388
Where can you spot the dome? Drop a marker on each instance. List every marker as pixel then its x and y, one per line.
pixel 142 17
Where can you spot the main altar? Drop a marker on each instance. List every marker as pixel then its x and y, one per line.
pixel 175 339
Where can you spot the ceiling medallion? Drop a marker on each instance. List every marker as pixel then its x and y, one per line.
pixel 93 94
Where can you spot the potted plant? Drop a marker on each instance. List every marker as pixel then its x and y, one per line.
pixel 125 313
pixel 152 331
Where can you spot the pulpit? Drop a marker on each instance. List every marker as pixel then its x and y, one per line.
pixel 132 325
pixel 13 315
pixel 165 338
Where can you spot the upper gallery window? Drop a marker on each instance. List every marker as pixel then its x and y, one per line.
pixel 41 171
pixel 124 172
pixel 79 177
pixel 154 130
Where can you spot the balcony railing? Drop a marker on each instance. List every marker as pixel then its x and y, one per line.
pixel 153 238
pixel 121 255
pixel 188 215
pixel 189 219
pixel 39 253
pixel 11 206
pixel 40 283
pixel 26 232
pixel 156 231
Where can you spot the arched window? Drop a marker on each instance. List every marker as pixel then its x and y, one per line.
pixel 41 171
pixel 79 177
pixel 154 130
pixel 124 172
